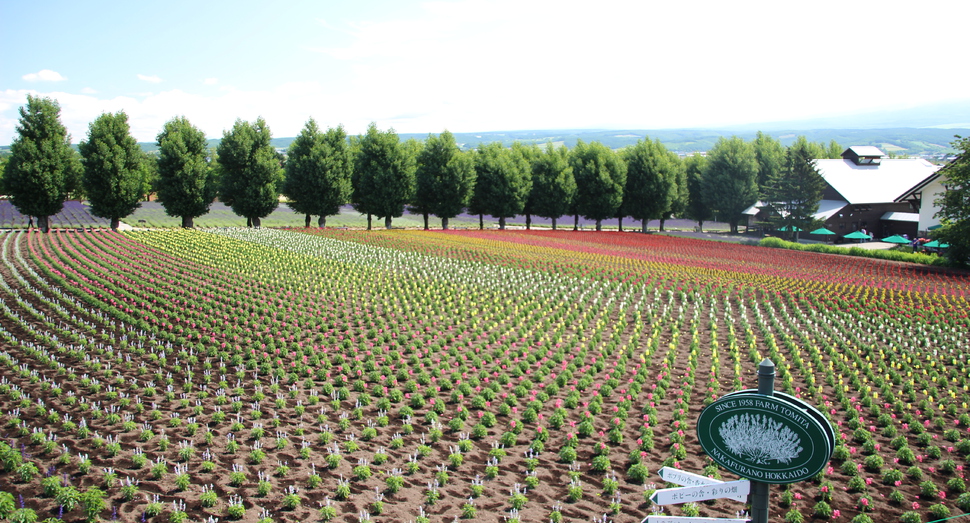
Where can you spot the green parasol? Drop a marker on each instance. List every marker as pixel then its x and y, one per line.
pixel 896 239
pixel 822 230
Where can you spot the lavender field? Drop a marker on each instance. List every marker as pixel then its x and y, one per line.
pixel 76 215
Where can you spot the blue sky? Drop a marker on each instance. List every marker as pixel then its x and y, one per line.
pixel 476 65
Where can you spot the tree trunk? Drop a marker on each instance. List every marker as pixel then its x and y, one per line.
pixel 501 223
pixel 307 220
pixel 576 223
pixel 643 226
pixel 188 222
pixel 700 226
pixel 368 222
pixel 619 223
pixel 44 223
pixel 114 223
pixel 387 222
pixel 249 222
pixel 426 221
pixel 528 222
pixel 481 222
pixel 599 225
pixel 734 227
pixel 553 224
pixel 662 220
pixel 257 221
pixel 322 221
pixel 444 224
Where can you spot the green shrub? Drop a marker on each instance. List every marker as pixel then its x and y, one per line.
pixel 939 511
pixel 911 516
pixel 822 509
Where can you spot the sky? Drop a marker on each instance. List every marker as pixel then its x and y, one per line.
pixel 476 65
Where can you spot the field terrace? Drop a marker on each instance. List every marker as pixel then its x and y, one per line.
pixel 398 375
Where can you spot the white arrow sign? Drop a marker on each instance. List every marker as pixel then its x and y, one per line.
pixel 689 479
pixel 728 489
pixel 685 519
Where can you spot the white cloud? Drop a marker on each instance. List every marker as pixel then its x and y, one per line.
pixel 88 90
pixel 44 75
pixel 210 81
pixel 150 79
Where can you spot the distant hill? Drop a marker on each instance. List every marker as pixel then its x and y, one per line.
pixel 925 142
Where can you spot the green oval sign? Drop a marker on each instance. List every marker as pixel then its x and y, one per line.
pixel 763 438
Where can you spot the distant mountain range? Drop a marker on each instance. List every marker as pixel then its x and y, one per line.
pixel 926 131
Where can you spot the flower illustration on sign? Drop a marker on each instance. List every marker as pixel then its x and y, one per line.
pixel 759 439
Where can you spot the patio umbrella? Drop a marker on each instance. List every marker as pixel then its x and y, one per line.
pixel 896 239
pixel 935 244
pixel 822 230
pixel 857 235
pixel 793 228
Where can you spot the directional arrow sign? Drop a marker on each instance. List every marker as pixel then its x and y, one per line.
pixel 684 519
pixel 728 489
pixel 689 479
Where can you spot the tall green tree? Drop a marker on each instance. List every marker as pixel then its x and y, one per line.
pixel 318 171
pixel 114 168
pixel 504 179
pixel 680 191
pixel 186 184
pixel 650 181
pixel 833 151
pixel 530 153
pixel 445 179
pixel 954 205
pixel 41 161
pixel 771 159
pixel 794 193
pixel 731 179
pixel 600 179
pixel 383 179
pixel 249 171
pixel 696 208
pixel 553 184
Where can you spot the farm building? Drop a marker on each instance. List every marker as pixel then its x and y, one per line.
pixel 866 190
pixel 922 197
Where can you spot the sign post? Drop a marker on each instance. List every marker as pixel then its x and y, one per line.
pixel 759 490
pixel 765 437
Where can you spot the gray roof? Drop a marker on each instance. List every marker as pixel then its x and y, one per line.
pixel 828 208
pixel 881 183
pixel 865 150
pixel 901 217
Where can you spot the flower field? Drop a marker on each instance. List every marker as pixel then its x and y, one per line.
pixel 307 375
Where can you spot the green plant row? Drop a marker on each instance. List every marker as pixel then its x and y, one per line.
pixel 892 255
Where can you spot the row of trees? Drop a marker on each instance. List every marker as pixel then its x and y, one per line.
pixel 382 176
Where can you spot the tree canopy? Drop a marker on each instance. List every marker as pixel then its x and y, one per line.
pixel 383 178
pixel 696 208
pixel 249 171
pixel 771 159
pixel 793 194
pixel 954 205
pixel 600 179
pixel 42 163
pixel 730 179
pixel 318 172
pixel 553 184
pixel 114 168
pixel 445 178
pixel 503 181
pixel 186 182
pixel 651 178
